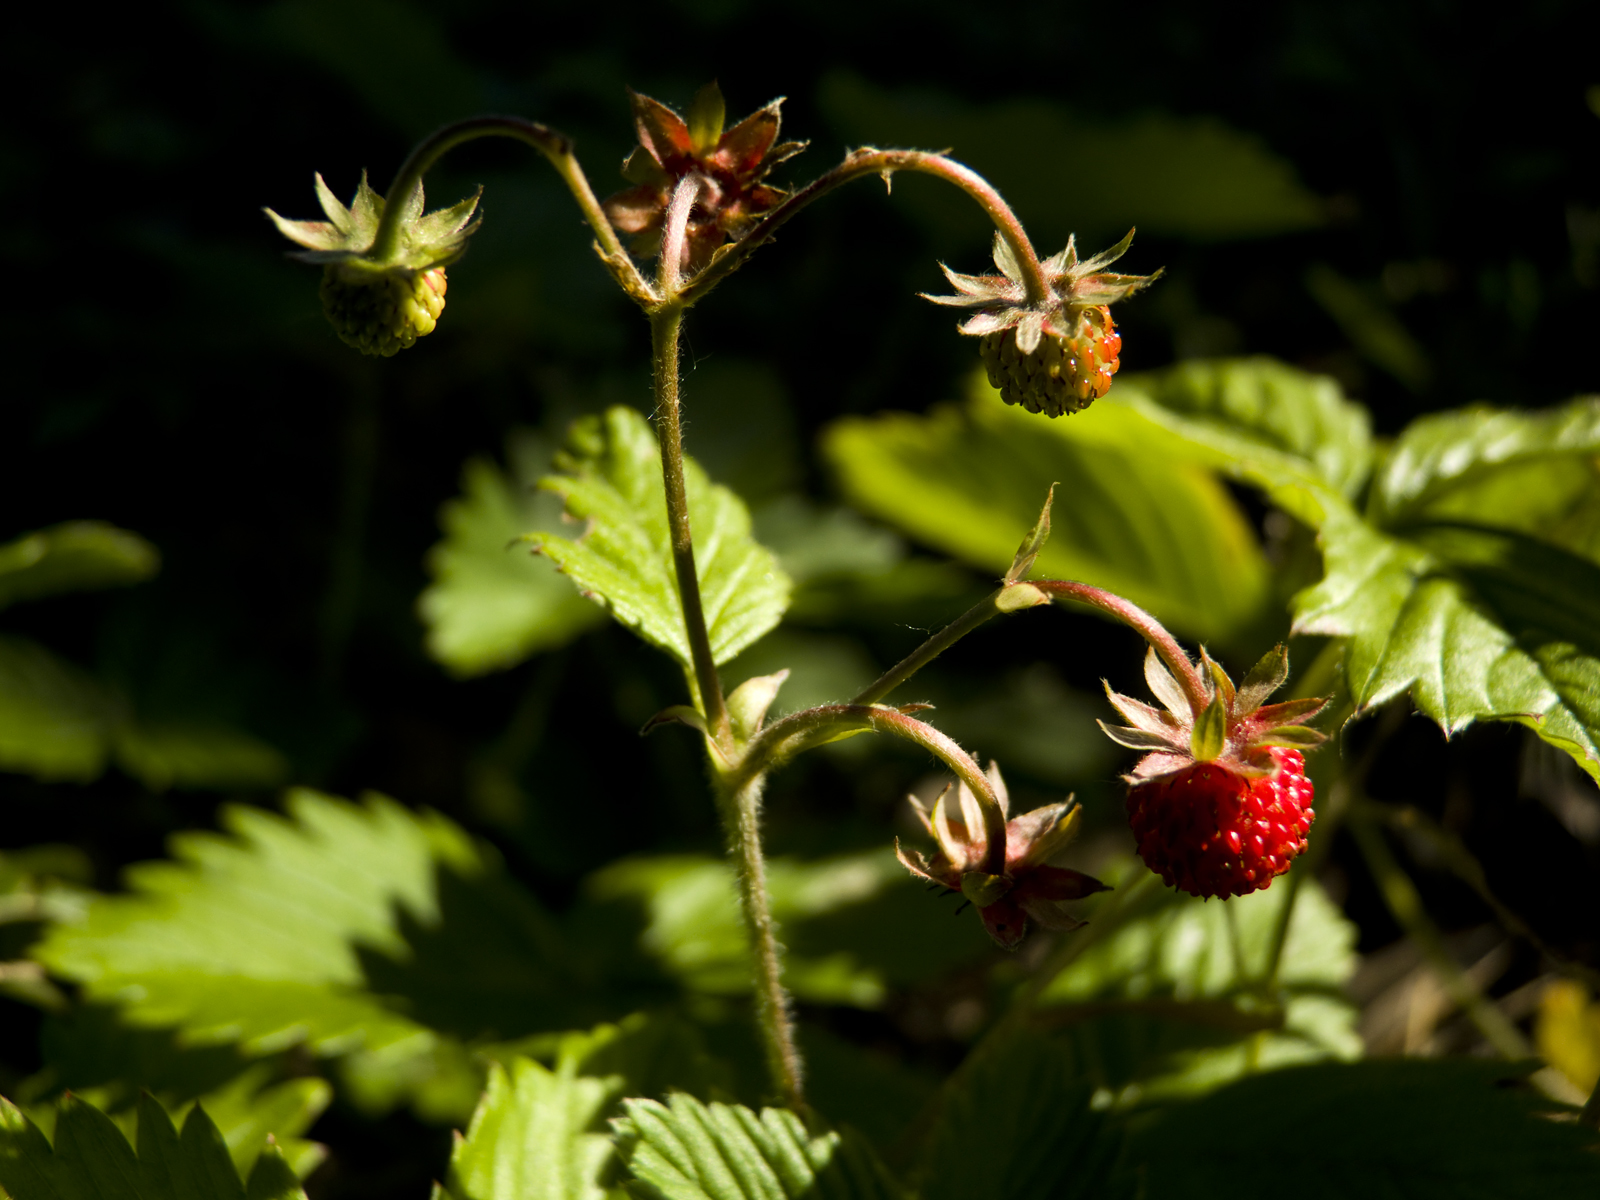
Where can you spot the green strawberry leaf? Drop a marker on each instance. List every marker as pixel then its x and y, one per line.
pixel 610 477
pixel 1162 1007
pixel 492 604
pixel 688 1150
pixel 91 1159
pixel 75 557
pixel 966 481
pixel 1442 1129
pixel 1476 623
pixel 1015 1123
pixel 291 930
pixel 538 1134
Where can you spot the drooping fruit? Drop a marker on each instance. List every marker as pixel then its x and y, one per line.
pixel 1221 805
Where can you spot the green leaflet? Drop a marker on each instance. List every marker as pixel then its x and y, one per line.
pixel 687 1150
pixel 1443 1129
pixel 289 930
pixel 75 557
pixel 92 1160
pixel 968 481
pixel 1160 1007
pixel 538 1134
pixel 491 603
pixel 610 478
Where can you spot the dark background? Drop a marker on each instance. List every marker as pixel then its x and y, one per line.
pixel 168 370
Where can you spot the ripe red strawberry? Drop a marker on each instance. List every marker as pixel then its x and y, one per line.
pixel 1222 805
pixel 1210 832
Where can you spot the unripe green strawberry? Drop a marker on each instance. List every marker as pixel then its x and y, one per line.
pixel 1055 355
pixel 1063 374
pixel 382 314
pixel 381 305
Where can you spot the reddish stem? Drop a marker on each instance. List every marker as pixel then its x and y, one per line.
pixel 1130 614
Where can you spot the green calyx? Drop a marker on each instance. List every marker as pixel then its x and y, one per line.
pixel 382 305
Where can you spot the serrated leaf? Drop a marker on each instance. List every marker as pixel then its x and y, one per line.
pixel 266 937
pixel 1014 1123
pixel 1168 536
pixel 537 1135
pixel 492 604
pixel 687 1150
pixel 1443 1129
pixel 92 1160
pixel 611 479
pixel 75 557
pixel 1474 622
pixel 1162 1007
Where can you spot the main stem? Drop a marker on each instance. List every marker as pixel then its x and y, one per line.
pixel 665 325
pixel 741 814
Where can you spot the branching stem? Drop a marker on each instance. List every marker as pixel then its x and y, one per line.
pixel 884 163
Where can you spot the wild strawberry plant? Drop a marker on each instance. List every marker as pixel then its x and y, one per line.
pixel 1147 1042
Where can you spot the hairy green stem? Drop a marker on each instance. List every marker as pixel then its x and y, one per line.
pixel 555 146
pixel 741 815
pixel 884 163
pixel 665 326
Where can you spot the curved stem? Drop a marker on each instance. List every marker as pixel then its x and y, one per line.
pixel 665 325
pixel 1149 628
pixel 555 146
pixel 887 720
pixel 675 230
pixel 741 812
pixel 884 163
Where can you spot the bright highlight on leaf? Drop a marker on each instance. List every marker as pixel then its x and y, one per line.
pixel 610 477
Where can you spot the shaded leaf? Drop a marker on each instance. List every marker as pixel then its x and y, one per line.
pixel 492 604
pixel 687 1150
pixel 1455 1129
pixel 1377 333
pixel 55 721
pixel 1168 536
pixel 197 756
pixel 611 479
pixel 76 557
pixel 1161 1006
pixel 92 1160
pixel 1014 1123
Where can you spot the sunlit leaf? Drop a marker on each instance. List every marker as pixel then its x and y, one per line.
pixel 538 1134
pixel 75 557
pixel 969 481
pixel 1450 1129
pixel 1568 1032
pixel 1192 177
pixel 687 1150
pixel 492 603
pixel 610 478
pixel 1162 1006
